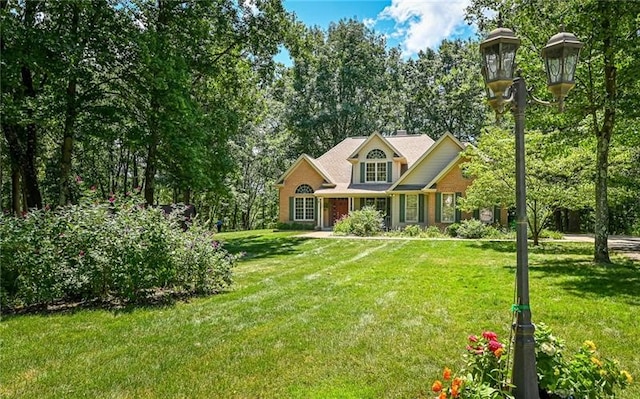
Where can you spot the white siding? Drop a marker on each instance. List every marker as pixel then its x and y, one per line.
pixel 433 164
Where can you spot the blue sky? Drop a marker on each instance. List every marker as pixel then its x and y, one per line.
pixel 411 24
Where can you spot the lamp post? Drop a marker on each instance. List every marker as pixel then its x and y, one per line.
pixel 498 65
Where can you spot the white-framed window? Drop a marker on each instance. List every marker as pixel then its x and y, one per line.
pixel 376 167
pixel 411 208
pixel 448 208
pixel 303 209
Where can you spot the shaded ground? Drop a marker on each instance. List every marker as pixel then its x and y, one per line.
pixel 626 245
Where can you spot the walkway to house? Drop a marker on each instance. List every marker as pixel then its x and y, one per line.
pixel 628 246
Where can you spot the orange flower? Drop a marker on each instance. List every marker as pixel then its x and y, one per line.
pixel 498 352
pixel 437 386
pixel 447 374
pixel 454 391
pixel 442 395
pixel 457 382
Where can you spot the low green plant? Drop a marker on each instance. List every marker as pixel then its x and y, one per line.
pixel 452 229
pixel 472 228
pixel 587 375
pixel 433 232
pixel 364 222
pixel 412 230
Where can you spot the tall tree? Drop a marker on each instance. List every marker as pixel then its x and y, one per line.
pixel 445 91
pixel 339 78
pixel 609 66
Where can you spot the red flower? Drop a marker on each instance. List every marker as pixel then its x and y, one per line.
pixel 473 338
pixel 446 374
pixel 494 346
pixel 81 254
pixel 490 335
pixel 437 386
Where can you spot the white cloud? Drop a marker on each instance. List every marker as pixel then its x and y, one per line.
pixel 424 23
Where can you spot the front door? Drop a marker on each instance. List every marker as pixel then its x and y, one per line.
pixel 339 208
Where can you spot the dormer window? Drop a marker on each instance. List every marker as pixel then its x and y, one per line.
pixel 376 167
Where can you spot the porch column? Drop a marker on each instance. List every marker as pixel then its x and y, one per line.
pixel 350 204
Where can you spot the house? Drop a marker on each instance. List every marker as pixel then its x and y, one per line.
pixel 410 178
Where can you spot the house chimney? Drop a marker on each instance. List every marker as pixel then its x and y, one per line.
pixel 401 132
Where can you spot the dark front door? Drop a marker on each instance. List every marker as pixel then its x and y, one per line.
pixel 339 208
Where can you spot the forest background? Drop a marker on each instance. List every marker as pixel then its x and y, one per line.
pixel 183 102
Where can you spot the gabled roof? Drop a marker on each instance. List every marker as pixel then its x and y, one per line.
pixel 396 153
pixel 425 154
pixel 443 172
pixel 317 167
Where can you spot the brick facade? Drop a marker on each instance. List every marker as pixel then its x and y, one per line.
pixel 304 173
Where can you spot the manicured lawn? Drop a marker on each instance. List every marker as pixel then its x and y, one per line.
pixel 323 318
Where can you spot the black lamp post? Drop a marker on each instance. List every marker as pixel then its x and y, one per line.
pixel 498 66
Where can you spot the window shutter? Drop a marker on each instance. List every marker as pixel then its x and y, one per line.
pixel 458 212
pixel 362 172
pixel 497 214
pixel 315 210
pixel 362 203
pixel 420 208
pixel 476 214
pixel 291 209
pixel 389 172
pixel 402 205
pixel 438 207
pixel 426 209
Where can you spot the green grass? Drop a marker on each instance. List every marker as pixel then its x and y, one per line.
pixel 323 318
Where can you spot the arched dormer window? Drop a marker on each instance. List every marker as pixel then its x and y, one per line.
pixel 375 167
pixel 304 189
pixel 376 154
pixel 303 203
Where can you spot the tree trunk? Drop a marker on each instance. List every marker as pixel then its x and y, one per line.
pixel 601 250
pixel 150 171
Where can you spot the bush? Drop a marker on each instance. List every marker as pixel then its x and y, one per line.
pixel 364 222
pixel 452 229
pixel 472 228
pixel 113 250
pixel 432 232
pixel 412 231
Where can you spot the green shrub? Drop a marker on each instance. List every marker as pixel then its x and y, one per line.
pixel 432 232
pixel 95 250
pixel 452 229
pixel 295 226
pixel 412 230
pixel 364 222
pixel 544 233
pixel 472 228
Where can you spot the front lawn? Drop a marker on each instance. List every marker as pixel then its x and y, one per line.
pixel 323 318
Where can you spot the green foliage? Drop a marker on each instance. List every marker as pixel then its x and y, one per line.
pixel 412 231
pixel 452 229
pixel 295 226
pixel 364 222
pixel 472 228
pixel 116 249
pixel 586 375
pixel 432 232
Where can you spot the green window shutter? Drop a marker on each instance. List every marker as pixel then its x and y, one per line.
pixel 389 172
pixel 362 202
pixel 315 210
pixel 438 207
pixel 497 214
pixel 458 212
pixel 426 209
pixel 420 208
pixel 291 209
pixel 362 172
pixel 476 214
pixel 402 205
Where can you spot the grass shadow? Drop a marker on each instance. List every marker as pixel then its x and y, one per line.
pixel 256 246
pixel 545 247
pixel 583 278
